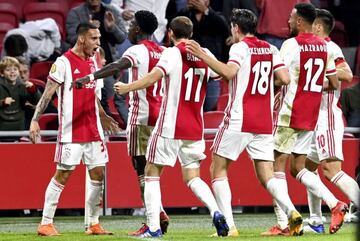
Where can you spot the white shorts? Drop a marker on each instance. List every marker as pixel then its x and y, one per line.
pixel 93 154
pixel 137 139
pixel 326 145
pixel 164 151
pixel 288 140
pixel 230 144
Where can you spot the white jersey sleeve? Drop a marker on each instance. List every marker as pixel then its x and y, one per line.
pixel 135 54
pixel 169 59
pixel 57 71
pixel 330 64
pixel 287 51
pixel 238 53
pixel 277 61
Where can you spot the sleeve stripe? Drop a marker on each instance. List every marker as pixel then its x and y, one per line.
pixel 330 72
pixel 130 58
pixel 234 61
pixel 162 69
pixel 278 66
pixel 339 61
pixel 53 79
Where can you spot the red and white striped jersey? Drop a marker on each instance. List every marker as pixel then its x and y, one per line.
pixel 308 61
pixel 250 107
pixel 144 105
pixel 330 115
pixel 186 77
pixel 78 110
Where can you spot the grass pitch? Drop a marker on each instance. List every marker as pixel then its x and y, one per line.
pixel 182 227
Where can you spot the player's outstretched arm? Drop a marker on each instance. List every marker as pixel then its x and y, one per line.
pixel 227 71
pixel 148 80
pixel 106 71
pixel 49 91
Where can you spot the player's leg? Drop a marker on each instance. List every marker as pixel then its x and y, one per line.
pixel 139 163
pixel 190 155
pixel 95 157
pixel 227 147
pixel 69 156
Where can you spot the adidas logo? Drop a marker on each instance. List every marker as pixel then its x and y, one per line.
pixel 76 71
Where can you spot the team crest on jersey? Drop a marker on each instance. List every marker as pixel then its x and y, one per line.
pixel 53 68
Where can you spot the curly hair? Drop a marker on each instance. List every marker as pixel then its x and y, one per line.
pixel 147 21
pixel 8 61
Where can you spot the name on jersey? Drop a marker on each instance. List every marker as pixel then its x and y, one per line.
pixel 312 48
pixel 191 57
pixel 260 51
pixel 155 55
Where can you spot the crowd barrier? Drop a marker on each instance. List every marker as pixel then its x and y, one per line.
pixel 27 169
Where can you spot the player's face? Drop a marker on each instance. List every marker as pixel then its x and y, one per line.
pixel 293 22
pixel 316 27
pixel 235 32
pixel 11 73
pixel 91 42
pixel 133 31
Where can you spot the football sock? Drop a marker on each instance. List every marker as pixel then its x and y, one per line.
pixel 348 186
pixel 314 203
pixel 281 216
pixel 152 195
pixel 52 195
pixel 316 187
pixel 222 195
pixel 203 193
pixel 94 199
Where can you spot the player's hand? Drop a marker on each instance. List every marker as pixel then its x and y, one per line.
pixel 79 83
pixel 127 15
pixel 109 124
pixel 109 20
pixel 121 88
pixel 28 84
pixel 194 48
pixel 8 101
pixel 34 132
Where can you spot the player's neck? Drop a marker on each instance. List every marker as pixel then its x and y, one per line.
pixel 180 40
pixel 79 52
pixel 142 37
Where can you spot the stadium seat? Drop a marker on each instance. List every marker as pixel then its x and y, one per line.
pixel 339 35
pixel 41 10
pixel 40 70
pixel 222 102
pixel 4 27
pixel 18 6
pixel 224 87
pixel 49 121
pixel 9 14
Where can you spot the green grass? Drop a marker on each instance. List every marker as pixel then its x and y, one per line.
pixel 189 227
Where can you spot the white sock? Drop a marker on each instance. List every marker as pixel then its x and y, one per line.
pixel 316 187
pixel 280 195
pixel 152 196
pixel 222 195
pixel 52 195
pixel 314 203
pixel 348 186
pixel 281 216
pixel 94 199
pixel 204 194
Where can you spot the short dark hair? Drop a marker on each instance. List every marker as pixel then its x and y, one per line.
pixel 84 27
pixel 245 19
pixel 15 45
pixel 327 19
pixel 22 60
pixel 147 21
pixel 306 11
pixel 182 27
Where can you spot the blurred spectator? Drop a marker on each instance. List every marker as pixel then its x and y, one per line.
pixel 350 104
pixel 210 31
pixel 24 69
pixel 273 21
pixel 13 95
pixel 37 40
pixel 229 5
pixel 109 18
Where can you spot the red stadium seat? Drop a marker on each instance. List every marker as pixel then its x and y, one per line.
pixel 8 14
pixel 222 102
pixel 339 35
pixel 224 87
pixel 41 10
pixel 4 27
pixel 40 70
pixel 18 6
pixel 38 83
pixel 49 121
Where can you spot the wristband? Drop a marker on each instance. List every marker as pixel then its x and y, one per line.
pixel 91 77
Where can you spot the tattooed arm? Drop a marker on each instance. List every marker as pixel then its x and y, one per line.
pixel 49 91
pixel 106 71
